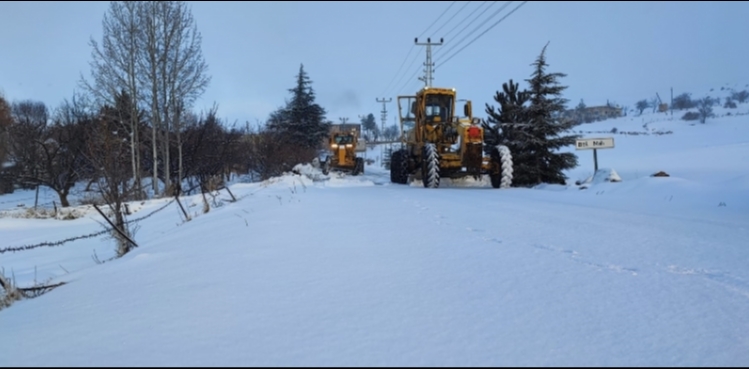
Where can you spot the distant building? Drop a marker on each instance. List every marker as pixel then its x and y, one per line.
pixel 593 113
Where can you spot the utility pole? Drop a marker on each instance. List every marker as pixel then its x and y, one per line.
pixel 672 101
pixel 384 112
pixel 429 64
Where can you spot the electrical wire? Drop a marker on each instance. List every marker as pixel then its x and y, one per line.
pixel 447 35
pixel 438 18
pixel 413 47
pixel 410 79
pixel 399 70
pixel 477 28
pixel 454 15
pixel 483 33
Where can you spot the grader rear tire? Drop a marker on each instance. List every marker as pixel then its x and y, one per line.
pixel 399 167
pixel 359 166
pixel 430 166
pixel 403 168
pixel 326 166
pixel 501 171
pixel 395 163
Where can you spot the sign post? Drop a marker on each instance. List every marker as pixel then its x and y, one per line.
pixel 594 144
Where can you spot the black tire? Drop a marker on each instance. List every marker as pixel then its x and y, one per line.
pixel 404 171
pixel 500 173
pixel 495 173
pixel 395 165
pixel 399 167
pixel 359 166
pixel 430 166
pixel 326 166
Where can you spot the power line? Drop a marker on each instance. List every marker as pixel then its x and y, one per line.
pixel 438 18
pixel 416 57
pixel 464 20
pixel 399 70
pixel 479 26
pixel 471 22
pixel 413 77
pixel 414 47
pixel 483 33
pixel 454 15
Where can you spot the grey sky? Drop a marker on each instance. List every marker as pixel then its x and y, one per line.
pixel 622 51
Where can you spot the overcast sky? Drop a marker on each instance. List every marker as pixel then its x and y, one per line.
pixel 352 51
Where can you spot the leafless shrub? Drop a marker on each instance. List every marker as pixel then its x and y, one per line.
pixel 10 292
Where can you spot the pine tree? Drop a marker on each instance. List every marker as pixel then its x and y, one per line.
pixel 548 125
pixel 369 124
pixel 387 156
pixel 302 121
pixel 508 126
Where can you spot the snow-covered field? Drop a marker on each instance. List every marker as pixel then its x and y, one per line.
pixel 358 271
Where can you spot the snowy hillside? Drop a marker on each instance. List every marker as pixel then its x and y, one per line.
pixel 359 271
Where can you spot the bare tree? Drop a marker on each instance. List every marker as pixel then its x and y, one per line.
pixel 269 153
pixel 62 144
pixel 5 122
pixel 684 101
pixel 30 120
pixel 151 51
pixel 740 96
pixel 6 119
pixel 204 148
pixel 49 154
pixel 653 103
pixel 705 108
pixel 642 105
pixel 175 71
pixel 391 133
pixel 108 151
pixel 115 67
pixel 149 64
pixel 187 78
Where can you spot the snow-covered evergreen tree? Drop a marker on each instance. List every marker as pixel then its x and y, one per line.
pixel 506 125
pixel 302 121
pixel 369 124
pixel 545 135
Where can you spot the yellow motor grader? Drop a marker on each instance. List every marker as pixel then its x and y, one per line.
pixel 343 154
pixel 438 143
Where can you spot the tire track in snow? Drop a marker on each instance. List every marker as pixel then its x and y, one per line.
pixel 573 255
pixel 725 280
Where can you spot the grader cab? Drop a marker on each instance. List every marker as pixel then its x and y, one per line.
pixel 343 148
pixel 439 143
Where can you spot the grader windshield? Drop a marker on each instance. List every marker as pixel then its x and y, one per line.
pixel 438 108
pixel 344 139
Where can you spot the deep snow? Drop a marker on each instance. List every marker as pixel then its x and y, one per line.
pixel 358 271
